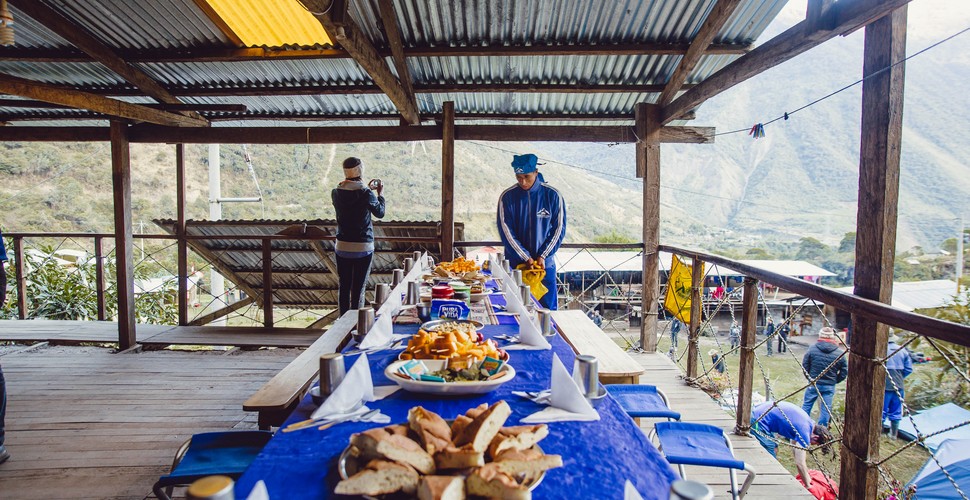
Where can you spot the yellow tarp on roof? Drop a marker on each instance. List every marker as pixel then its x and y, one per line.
pixel 271 23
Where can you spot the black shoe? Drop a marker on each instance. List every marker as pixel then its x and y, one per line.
pixel 4 454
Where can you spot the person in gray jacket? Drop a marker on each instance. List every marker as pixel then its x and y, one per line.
pixel 826 364
pixel 355 204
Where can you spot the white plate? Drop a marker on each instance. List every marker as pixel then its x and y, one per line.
pixel 447 388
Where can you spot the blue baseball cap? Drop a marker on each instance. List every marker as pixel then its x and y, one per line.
pixel 525 164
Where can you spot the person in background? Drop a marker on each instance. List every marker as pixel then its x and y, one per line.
pixel 4 454
pixel 597 318
pixel 769 331
pixel 783 332
pixel 898 367
pixel 792 423
pixel 825 364
pixel 716 360
pixel 531 220
pixel 674 331
pixel 354 204
pixel 735 334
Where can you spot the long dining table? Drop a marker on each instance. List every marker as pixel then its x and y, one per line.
pixel 599 457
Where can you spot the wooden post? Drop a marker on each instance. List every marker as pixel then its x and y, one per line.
pixel 694 330
pixel 99 277
pixel 749 327
pixel 268 283
pixel 181 243
pixel 121 186
pixel 882 113
pixel 448 182
pixel 18 252
pixel 648 168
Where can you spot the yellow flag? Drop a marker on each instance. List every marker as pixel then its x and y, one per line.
pixel 677 298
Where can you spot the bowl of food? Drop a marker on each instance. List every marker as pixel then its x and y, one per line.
pixel 445 339
pixel 453 377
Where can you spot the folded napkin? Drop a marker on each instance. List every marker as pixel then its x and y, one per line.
pixel 259 491
pixel 529 334
pixel 630 492
pixel 566 402
pixel 356 389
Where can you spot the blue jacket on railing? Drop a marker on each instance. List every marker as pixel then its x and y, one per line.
pixel 532 224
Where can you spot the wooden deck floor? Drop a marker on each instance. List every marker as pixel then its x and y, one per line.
pixel 76 332
pixel 773 480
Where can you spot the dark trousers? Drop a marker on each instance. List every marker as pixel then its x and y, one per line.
pixel 3 284
pixel 782 343
pixel 353 276
pixel 3 403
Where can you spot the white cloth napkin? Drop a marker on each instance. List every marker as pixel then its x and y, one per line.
pixel 356 389
pixel 630 492
pixel 259 491
pixel 383 330
pixel 528 331
pixel 566 402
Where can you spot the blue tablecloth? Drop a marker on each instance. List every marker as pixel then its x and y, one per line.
pixel 598 457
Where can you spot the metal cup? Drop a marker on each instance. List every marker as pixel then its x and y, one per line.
pixel 397 277
pixel 586 375
pixel 545 322
pixel 332 372
pixel 381 292
pixel 517 276
pixel 416 255
pixel 408 264
pixel 683 489
pixel 211 488
pixel 414 293
pixel 365 320
pixel 506 265
pixel 525 293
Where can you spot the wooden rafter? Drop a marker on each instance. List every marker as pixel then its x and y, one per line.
pixel 89 44
pixel 346 135
pixel 841 17
pixel 84 100
pixel 716 19
pixel 353 40
pixel 222 54
pixel 445 88
pixel 214 108
pixel 393 34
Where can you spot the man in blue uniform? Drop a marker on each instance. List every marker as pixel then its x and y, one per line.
pixel 532 223
pixel 791 423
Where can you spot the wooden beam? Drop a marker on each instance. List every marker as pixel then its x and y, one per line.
pixel 268 283
pixel 882 113
pixel 648 168
pixel 355 42
pixel 716 19
pixel 250 90
pixel 99 285
pixel 85 100
pixel 694 330
pixel 394 40
pixel 223 311
pixel 222 108
pixel 845 15
pixel 20 276
pixel 223 54
pixel 348 135
pixel 182 252
pixel 220 23
pixel 324 320
pixel 448 182
pixel 124 258
pixel 749 328
pixel 89 44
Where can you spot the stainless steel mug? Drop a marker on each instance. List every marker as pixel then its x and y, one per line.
pixel 398 277
pixel 525 293
pixel 545 322
pixel 684 489
pixel 416 255
pixel 365 320
pixel 408 264
pixel 381 292
pixel 414 293
pixel 586 375
pixel 332 372
pixel 517 276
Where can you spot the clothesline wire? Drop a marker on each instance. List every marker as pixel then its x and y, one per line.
pixel 788 114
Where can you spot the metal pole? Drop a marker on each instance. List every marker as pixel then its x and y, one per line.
pixel 960 254
pixel 216 283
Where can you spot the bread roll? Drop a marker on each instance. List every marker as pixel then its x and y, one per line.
pixel 432 430
pixel 490 482
pixel 441 488
pixel 458 458
pixel 480 432
pixel 526 463
pixel 520 437
pixel 379 443
pixel 379 478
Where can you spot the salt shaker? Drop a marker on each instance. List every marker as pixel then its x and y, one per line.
pixel 332 372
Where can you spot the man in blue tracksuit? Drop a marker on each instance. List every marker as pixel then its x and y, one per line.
pixel 898 367
pixel 532 222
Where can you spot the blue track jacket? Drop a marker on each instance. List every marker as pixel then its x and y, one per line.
pixel 532 223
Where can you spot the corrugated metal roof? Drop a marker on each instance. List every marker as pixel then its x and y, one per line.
pixel 180 25
pixel 300 277
pixel 913 295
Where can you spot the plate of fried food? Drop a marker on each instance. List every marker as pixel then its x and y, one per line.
pixel 451 339
pixel 430 457
pixel 450 377
pixel 460 268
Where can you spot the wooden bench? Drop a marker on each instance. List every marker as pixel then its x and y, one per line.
pixel 276 399
pixel 615 365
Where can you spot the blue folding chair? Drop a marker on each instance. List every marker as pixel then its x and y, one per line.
pixel 688 443
pixel 211 453
pixel 642 401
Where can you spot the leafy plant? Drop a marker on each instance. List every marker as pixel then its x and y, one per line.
pixel 949 383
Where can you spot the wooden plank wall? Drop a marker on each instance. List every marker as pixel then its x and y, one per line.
pixel 85 423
